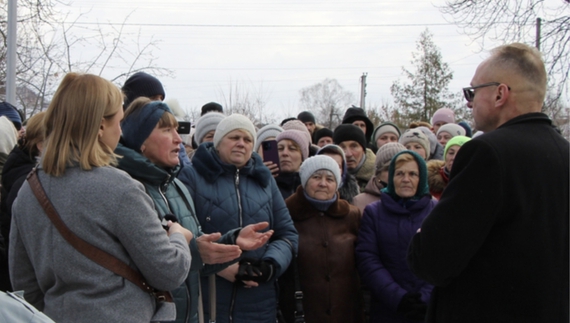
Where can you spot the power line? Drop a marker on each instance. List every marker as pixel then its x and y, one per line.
pixel 258 26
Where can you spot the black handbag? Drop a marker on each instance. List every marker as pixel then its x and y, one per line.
pixel 299 314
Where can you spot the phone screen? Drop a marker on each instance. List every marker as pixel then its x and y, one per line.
pixel 270 152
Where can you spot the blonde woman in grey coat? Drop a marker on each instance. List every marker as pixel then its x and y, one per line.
pixel 101 205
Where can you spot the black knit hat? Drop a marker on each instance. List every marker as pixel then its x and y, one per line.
pixel 346 132
pixel 10 112
pixel 141 84
pixel 287 120
pixel 468 131
pixel 306 116
pixel 212 106
pixel 324 132
pixel 355 113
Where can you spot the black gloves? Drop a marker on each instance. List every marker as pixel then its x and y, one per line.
pixel 256 270
pixel 412 307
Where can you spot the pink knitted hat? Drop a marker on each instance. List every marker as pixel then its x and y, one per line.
pixel 299 138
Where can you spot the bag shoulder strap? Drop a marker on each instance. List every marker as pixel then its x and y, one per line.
pixel 97 255
pixel 299 314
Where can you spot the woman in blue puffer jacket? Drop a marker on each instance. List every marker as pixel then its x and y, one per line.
pixel 148 151
pixel 231 187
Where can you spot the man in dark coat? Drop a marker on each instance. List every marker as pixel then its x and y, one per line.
pixel 496 245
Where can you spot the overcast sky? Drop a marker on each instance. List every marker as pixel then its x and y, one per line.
pixel 279 47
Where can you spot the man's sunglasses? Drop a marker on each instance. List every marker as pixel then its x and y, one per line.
pixel 469 92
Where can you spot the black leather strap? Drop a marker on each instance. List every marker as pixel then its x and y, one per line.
pixel 99 256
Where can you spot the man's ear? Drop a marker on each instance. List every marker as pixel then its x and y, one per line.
pixel 503 93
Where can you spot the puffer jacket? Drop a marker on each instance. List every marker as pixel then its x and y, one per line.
pixel 385 232
pixel 227 198
pixel 170 196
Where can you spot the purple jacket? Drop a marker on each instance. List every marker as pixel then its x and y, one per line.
pixel 385 233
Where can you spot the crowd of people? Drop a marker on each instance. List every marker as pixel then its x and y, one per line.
pixel 292 222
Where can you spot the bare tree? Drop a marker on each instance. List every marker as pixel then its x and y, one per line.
pixel 515 21
pixel 49 47
pixel 387 112
pixel 32 14
pixel 247 99
pixel 327 100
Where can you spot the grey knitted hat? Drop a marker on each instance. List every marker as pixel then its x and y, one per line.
pixel 386 152
pixel 384 128
pixel 432 138
pixel 231 123
pixel 270 130
pixel 315 163
pixel 415 135
pixel 453 129
pixel 205 124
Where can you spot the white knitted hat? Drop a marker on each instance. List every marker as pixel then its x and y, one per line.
pixel 415 135
pixel 453 129
pixel 205 124
pixel 270 130
pixel 315 163
pixel 231 123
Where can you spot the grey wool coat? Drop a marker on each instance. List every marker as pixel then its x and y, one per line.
pixel 110 210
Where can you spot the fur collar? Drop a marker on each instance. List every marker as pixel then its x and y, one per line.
pixel 301 209
pixel 208 164
pixel 367 169
pixel 436 182
pixel 349 189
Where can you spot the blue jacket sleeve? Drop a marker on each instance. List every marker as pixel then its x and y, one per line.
pixel 279 250
pixel 371 268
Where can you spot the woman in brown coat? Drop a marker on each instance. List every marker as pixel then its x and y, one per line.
pixel 327 229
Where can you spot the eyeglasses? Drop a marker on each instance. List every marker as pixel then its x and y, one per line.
pixel 469 92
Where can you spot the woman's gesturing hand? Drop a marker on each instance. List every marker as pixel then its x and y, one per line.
pixel 216 253
pixel 250 239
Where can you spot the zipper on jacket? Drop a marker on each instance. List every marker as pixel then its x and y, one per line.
pixel 160 190
pixel 234 290
pixel 233 302
pixel 164 199
pixel 189 298
pixel 238 198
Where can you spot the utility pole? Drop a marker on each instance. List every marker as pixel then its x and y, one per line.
pixel 538 25
pixel 11 54
pixel 363 90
